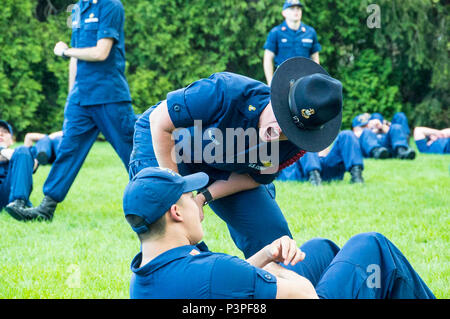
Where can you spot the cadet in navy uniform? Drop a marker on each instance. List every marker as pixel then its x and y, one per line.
pixel 380 139
pixel 174 264
pixel 290 39
pixel 99 98
pixel 329 165
pixel 241 190
pixel 16 171
pixel 432 141
pixel 43 147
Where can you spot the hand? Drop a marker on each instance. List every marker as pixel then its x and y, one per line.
pixel 59 48
pixel 200 200
pixel 6 154
pixel 284 250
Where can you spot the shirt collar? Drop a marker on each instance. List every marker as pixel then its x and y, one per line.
pixel 302 25
pixel 165 258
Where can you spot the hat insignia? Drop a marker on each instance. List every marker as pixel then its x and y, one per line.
pixel 307 113
pixel 251 108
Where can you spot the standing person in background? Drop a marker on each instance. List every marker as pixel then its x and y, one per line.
pixel 99 98
pixel 290 39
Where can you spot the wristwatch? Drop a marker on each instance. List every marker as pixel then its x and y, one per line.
pixel 208 197
pixel 63 55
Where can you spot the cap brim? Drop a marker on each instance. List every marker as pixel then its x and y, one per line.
pixel 195 182
pixel 307 140
pixel 6 125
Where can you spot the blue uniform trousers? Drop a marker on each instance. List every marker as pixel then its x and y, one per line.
pixel 344 154
pixel 82 124
pixel 18 181
pixel 48 146
pixel 397 136
pixel 253 217
pixel 368 266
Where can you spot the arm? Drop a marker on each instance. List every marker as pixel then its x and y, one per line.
pixel 162 127
pixel 31 138
pixel 268 65
pixel 315 57
pixel 421 133
pixel 236 183
pixel 56 134
pixel 98 53
pixel 290 285
pixel 72 72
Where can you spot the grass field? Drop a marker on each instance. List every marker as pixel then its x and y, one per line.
pixel 87 249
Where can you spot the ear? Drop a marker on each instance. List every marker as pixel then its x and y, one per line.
pixel 175 214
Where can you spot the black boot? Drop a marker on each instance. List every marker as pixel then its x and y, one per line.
pixel 42 158
pixel 43 212
pixel 314 178
pixel 380 153
pixel 356 173
pixel 405 153
pixel 18 204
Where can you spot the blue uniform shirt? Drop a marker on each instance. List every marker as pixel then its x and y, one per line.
pixel 286 43
pixel 224 100
pixel 99 82
pixel 180 273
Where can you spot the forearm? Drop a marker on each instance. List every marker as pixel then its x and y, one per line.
pixel 72 72
pixel 291 285
pixel 92 54
pixel 268 66
pixel 31 138
pixel 236 183
pixel 421 133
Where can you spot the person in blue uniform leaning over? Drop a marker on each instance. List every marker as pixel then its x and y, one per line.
pixel 173 263
pixel 329 165
pixel 16 171
pixel 241 191
pixel 381 139
pixel 292 38
pixel 99 98
pixel 43 147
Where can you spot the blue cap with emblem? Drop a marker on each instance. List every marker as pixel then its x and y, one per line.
pixel 292 3
pixel 377 116
pixel 151 193
pixel 361 120
pixel 6 126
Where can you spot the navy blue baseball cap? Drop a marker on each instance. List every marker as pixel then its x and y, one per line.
pixel 7 126
pixel 377 116
pixel 152 192
pixel 361 120
pixel 292 3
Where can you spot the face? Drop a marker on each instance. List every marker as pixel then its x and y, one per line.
pixel 293 14
pixel 269 129
pixel 6 139
pixel 192 217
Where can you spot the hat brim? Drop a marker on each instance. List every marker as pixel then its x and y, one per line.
pixel 307 140
pixel 195 182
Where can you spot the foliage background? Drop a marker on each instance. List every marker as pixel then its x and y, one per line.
pixel 401 66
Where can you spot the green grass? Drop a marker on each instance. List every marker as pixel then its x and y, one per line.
pixel 86 251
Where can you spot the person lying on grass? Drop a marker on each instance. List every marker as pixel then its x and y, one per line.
pixel 160 206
